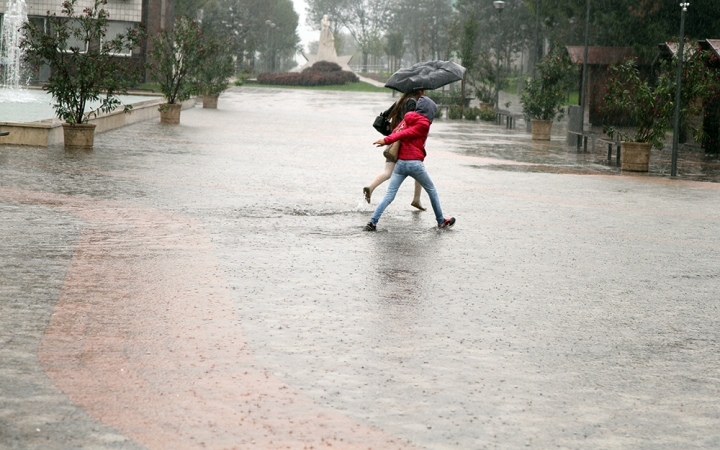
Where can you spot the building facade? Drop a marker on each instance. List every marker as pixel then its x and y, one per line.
pixel 153 15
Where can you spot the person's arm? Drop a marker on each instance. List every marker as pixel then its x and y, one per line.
pixel 410 105
pixel 415 128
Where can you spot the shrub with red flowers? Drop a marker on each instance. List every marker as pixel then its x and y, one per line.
pixel 322 73
pixel 94 71
pixel 650 102
pixel 649 105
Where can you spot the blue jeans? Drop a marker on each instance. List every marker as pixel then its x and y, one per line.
pixel 414 169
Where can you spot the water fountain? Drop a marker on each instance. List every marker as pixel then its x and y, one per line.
pixel 13 20
pixel 28 113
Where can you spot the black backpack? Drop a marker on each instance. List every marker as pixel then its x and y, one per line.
pixel 382 123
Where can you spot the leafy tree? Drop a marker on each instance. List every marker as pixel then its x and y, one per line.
pixel 285 42
pixel 175 59
pixel 245 23
pixel 395 49
pixel 468 54
pixel 544 96
pixel 217 65
pixel 191 8
pixel 426 24
pixel 232 19
pixel 641 24
pixel 365 20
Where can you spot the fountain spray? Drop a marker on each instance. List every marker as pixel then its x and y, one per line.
pixel 12 34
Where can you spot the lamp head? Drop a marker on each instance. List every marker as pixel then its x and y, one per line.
pixel 499 5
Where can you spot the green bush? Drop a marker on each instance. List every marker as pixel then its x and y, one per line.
pixel 543 97
pixel 487 113
pixel 454 112
pixel 471 113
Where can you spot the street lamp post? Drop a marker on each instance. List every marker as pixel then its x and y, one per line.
pixel 535 52
pixel 270 43
pixel 521 78
pixel 583 83
pixel 499 5
pixel 676 120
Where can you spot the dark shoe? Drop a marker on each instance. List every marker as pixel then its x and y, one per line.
pixel 370 227
pixel 367 193
pixel 448 223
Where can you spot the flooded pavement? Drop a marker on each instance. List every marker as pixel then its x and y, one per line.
pixel 210 286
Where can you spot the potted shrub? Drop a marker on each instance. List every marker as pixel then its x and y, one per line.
pixel 543 97
pixel 85 67
pixel 650 104
pixel 485 96
pixel 216 69
pixel 175 58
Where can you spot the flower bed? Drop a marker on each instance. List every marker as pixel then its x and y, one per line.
pixel 321 73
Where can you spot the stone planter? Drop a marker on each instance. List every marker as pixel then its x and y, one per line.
pixel 79 136
pixel 635 156
pixel 170 113
pixel 210 101
pixel 541 129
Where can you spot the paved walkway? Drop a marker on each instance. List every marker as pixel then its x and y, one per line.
pixel 209 286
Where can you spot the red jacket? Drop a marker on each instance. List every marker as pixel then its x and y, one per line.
pixel 412 136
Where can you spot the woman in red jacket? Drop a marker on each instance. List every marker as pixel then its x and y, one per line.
pixel 407 103
pixel 410 161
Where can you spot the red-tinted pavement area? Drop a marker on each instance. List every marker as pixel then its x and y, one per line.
pixel 145 338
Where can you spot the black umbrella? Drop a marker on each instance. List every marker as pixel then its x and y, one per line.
pixel 426 75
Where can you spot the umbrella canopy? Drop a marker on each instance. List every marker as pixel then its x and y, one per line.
pixel 426 75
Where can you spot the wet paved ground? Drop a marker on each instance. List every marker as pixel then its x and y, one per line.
pixel 209 286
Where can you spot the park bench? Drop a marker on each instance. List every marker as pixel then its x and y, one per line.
pixel 508 117
pixel 582 140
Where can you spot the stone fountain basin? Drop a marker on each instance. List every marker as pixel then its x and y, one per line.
pixel 20 118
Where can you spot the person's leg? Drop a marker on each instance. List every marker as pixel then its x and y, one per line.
pixel 418 172
pixel 385 175
pixel 416 198
pixel 396 180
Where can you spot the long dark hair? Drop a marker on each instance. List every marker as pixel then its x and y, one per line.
pixel 397 112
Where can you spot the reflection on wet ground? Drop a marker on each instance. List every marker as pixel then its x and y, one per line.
pixel 504 149
pixel 210 285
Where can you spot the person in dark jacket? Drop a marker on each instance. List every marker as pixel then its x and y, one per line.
pixel 410 161
pixel 406 103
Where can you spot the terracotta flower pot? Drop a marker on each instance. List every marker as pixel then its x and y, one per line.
pixel 210 101
pixel 170 113
pixel 541 129
pixel 79 135
pixel 635 156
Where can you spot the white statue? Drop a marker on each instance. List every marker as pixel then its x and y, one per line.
pixel 326 49
pixel 326 46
